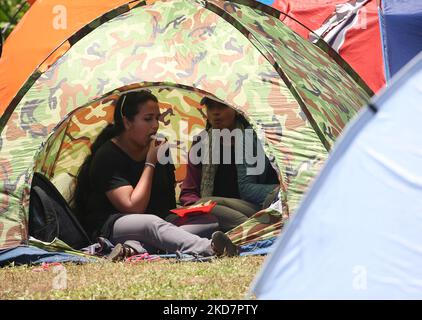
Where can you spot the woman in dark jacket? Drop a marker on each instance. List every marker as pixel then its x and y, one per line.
pixel 238 195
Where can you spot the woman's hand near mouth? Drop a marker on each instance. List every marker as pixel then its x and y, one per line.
pixel 159 139
pixel 154 147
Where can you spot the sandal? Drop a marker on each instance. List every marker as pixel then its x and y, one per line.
pixel 121 252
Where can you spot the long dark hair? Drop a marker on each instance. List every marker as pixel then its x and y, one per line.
pixel 128 105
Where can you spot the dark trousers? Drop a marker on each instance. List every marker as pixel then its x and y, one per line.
pixel 231 212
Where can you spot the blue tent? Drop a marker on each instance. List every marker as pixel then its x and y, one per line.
pixel 357 233
pixel 401 32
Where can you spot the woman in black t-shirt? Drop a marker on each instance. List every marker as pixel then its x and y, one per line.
pixel 123 192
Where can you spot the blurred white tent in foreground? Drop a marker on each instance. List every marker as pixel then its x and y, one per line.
pixel 358 232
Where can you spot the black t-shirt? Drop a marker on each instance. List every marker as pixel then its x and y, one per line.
pixel 225 181
pixel 112 168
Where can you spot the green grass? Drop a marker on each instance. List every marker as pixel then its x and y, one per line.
pixel 227 278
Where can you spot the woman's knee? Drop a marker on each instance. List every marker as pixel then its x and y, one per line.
pixel 135 223
pixel 218 200
pixel 204 199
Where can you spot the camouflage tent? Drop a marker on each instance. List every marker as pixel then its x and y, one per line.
pixel 297 94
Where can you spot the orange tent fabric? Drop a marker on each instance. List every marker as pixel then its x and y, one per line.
pixel 42 29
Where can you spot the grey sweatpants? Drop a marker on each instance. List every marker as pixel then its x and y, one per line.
pixel 231 212
pixel 155 233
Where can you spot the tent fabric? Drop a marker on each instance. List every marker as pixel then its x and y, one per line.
pixel 366 59
pixel 262 247
pixel 335 28
pixel 357 233
pixel 23 255
pixel 295 95
pixel 263 225
pixel 42 29
pixel 354 25
pixel 401 23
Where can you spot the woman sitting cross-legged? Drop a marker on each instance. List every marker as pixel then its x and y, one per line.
pixel 238 194
pixel 124 194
